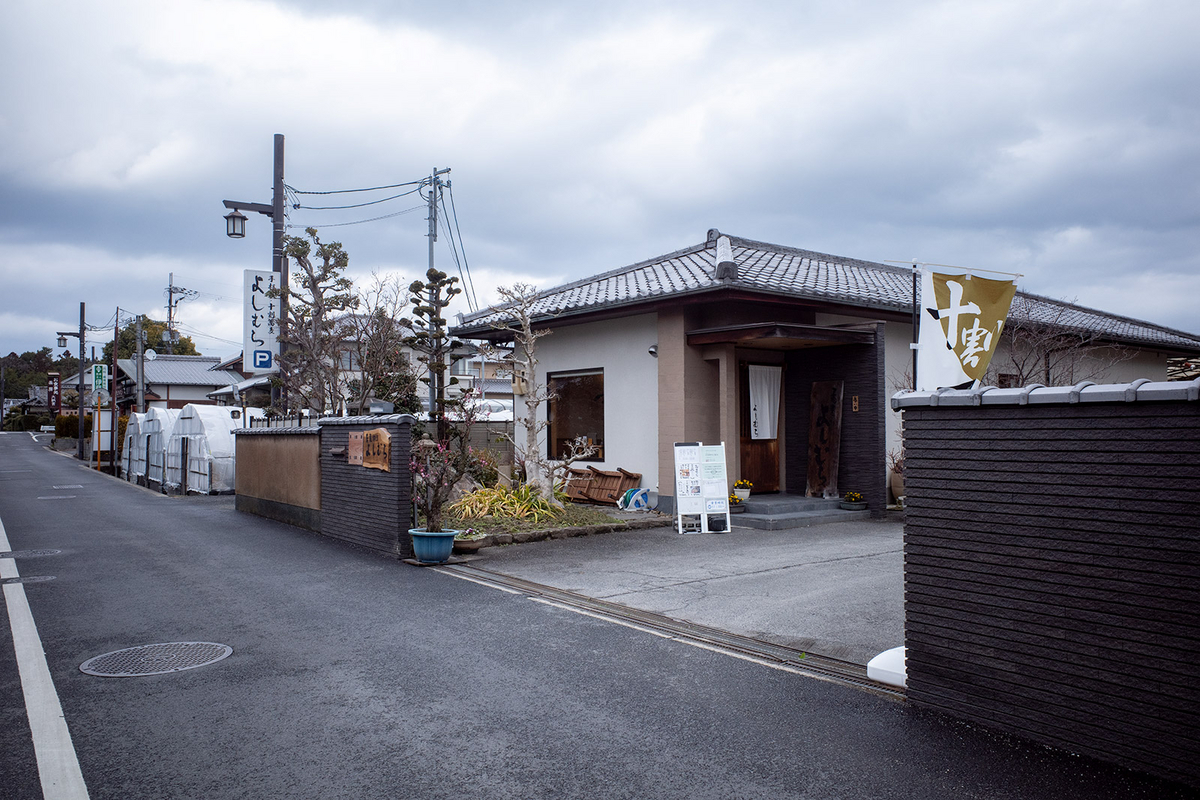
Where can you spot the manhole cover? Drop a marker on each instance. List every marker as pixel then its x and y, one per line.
pixel 30 579
pixel 155 659
pixel 29 553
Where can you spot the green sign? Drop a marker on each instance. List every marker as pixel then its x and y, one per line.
pixel 99 376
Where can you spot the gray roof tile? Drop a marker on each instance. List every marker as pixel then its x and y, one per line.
pixel 777 269
pixel 181 370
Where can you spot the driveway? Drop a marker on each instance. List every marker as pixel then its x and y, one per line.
pixel 836 590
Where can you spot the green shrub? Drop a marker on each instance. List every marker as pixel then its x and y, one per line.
pixel 67 426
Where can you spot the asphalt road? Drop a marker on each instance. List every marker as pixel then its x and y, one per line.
pixel 354 676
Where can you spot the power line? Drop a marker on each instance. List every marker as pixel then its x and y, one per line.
pixel 361 221
pixel 349 191
pixel 461 245
pixel 356 205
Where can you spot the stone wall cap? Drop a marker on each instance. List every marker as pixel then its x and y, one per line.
pixel 311 429
pixel 1142 390
pixel 369 419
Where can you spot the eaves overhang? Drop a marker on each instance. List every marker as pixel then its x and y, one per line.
pixel 783 336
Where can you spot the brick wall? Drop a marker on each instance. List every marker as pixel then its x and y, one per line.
pixel 862 464
pixel 1052 558
pixel 368 507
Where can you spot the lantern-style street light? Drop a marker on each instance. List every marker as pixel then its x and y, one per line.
pixel 235 228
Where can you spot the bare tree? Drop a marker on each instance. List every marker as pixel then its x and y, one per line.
pixel 1041 345
pixel 318 294
pixel 522 363
pixel 375 337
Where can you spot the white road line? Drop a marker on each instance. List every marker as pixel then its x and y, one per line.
pixel 58 766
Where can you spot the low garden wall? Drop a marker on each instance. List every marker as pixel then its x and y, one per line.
pixel 1052 550
pixel 279 474
pixel 361 502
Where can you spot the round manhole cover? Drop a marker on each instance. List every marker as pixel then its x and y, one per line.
pixel 155 659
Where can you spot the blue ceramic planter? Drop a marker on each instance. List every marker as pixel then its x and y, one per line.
pixel 432 548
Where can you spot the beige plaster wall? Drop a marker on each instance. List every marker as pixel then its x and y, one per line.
pixel 284 468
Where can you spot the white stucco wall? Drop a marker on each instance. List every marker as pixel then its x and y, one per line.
pixel 620 348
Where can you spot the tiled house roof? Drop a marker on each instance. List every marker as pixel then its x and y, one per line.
pixel 182 371
pixel 788 271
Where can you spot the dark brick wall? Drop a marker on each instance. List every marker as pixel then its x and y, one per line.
pixel 368 507
pixel 862 465
pixel 1052 575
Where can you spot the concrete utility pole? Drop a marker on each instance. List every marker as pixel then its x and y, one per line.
pixel 277 214
pixel 82 334
pixel 141 368
pixel 434 186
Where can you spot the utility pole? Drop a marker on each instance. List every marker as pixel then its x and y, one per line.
pixel 82 334
pixel 434 376
pixel 112 396
pixel 141 368
pixel 236 229
pixel 172 336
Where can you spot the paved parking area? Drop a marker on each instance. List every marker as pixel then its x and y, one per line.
pixel 836 590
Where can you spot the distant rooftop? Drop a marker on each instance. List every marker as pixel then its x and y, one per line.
pixel 778 270
pixel 182 370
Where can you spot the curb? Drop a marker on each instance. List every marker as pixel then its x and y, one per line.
pixel 522 537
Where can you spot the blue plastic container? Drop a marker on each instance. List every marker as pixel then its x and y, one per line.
pixel 432 548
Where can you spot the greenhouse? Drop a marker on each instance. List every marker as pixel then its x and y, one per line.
pixel 133 449
pixel 155 431
pixel 200 450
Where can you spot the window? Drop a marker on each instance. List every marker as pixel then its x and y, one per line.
pixel 576 409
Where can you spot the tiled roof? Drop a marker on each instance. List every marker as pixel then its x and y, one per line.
pixel 181 371
pixel 789 271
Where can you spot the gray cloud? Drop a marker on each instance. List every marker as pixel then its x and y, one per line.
pixel 1058 140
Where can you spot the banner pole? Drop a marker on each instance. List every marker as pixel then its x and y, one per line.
pixel 915 325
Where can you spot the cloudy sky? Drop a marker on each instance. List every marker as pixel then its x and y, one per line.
pixel 1056 138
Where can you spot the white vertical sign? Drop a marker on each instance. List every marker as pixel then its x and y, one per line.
pixel 260 329
pixel 701 483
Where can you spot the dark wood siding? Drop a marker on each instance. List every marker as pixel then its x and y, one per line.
pixel 1052 575
pixel 368 507
pixel 862 466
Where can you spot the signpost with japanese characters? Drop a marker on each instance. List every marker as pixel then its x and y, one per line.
pixel 260 345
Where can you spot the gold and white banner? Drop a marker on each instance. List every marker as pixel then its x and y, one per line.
pixel 962 317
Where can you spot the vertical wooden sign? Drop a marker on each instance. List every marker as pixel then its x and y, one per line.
pixel 377 449
pixel 355 449
pixel 824 439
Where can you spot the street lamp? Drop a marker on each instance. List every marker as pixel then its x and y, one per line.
pixel 62 342
pixel 235 224
pixel 235 228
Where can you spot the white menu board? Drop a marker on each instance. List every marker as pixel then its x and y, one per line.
pixel 701 484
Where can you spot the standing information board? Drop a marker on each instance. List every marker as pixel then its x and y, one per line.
pixel 701 486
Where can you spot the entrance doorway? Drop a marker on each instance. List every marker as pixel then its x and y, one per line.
pixel 759 458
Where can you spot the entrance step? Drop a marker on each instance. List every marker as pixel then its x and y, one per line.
pixel 778 512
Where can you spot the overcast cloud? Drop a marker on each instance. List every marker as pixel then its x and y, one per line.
pixel 1056 139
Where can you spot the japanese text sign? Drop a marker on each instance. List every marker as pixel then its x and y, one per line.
pixel 260 329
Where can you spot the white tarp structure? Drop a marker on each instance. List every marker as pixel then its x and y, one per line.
pixel 200 451
pixel 156 430
pixel 133 449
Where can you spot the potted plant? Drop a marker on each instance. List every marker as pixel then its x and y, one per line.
pixel 896 473
pixel 853 501
pixel 741 488
pixel 436 468
pixel 736 505
pixel 470 541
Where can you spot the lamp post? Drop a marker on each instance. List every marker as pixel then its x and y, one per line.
pixel 62 342
pixel 235 228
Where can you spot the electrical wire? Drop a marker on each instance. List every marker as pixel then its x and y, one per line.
pixel 357 205
pixel 370 189
pixel 461 245
pixel 361 221
pixel 194 332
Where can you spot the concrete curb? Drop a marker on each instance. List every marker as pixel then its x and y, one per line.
pixel 521 537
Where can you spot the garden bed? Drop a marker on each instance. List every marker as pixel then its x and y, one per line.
pixel 572 521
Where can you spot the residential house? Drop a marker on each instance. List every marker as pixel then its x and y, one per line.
pixel 172 381
pixel 660 352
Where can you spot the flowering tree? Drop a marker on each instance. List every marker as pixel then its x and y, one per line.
pixel 439 464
